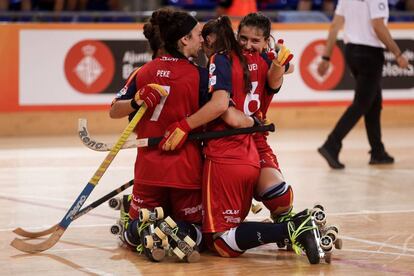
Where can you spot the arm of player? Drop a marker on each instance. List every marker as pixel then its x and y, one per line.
pixel 150 94
pixel 237 119
pixel 177 133
pixel 122 108
pixel 384 35
pixel 337 23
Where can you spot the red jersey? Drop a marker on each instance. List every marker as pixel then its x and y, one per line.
pixel 184 82
pixel 226 73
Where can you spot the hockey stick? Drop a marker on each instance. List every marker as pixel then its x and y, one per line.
pixel 27 234
pixel 93 144
pixel 68 218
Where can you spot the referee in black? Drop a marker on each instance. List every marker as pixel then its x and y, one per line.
pixel 365 35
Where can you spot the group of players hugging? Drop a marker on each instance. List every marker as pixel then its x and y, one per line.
pixel 189 196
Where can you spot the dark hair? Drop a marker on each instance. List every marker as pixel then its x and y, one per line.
pixel 152 34
pixel 226 42
pixel 172 25
pixel 257 20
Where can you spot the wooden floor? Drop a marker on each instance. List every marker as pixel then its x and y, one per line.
pixel 372 205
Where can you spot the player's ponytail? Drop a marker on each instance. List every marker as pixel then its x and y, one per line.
pixel 226 42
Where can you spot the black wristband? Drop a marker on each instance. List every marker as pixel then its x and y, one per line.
pixel 287 67
pixel 134 104
pixel 326 58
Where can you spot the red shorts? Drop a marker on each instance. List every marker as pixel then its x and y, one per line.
pixel 227 194
pixel 180 204
pixel 267 158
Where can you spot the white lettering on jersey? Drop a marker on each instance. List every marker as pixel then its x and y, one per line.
pixel 163 73
pixel 192 210
pixel 231 212
pixel 252 67
pixel 169 59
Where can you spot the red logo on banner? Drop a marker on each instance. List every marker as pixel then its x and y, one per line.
pixel 309 65
pixel 89 66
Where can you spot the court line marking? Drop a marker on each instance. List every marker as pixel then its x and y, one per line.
pixel 376 252
pixel 381 244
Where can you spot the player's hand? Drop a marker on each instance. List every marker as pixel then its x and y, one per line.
pixel 175 136
pixel 402 61
pixel 283 55
pixel 151 94
pixel 323 67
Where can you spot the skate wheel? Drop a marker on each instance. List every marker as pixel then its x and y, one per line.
pixel 164 242
pixel 318 206
pixel 159 212
pixel 116 229
pixel 193 257
pixel 326 243
pixel 333 228
pixel 332 234
pixel 256 208
pixel 180 254
pixel 144 215
pixel 148 242
pixel 158 254
pixel 189 241
pixel 338 244
pixel 170 222
pixel 114 203
pixel 319 215
pixel 159 233
pixel 328 258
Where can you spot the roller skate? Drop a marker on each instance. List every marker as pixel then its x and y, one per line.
pixel 122 204
pixel 152 244
pixel 182 248
pixel 304 236
pixel 280 219
pixel 328 234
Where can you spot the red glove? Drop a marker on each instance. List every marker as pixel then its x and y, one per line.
pixel 151 94
pixel 175 136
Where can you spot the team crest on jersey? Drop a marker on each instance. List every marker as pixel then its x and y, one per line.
pixel 212 68
pixel 122 92
pixel 213 80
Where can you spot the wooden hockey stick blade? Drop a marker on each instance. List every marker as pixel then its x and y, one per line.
pixel 27 234
pixel 23 246
pixel 83 196
pixel 93 144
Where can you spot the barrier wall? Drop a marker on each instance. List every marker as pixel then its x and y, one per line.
pixel 80 67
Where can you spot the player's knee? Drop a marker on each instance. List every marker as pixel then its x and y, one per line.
pixel 225 244
pixel 278 198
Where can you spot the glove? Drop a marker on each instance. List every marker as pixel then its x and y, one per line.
pixel 175 136
pixel 283 55
pixel 151 94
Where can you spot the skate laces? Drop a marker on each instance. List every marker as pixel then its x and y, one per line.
pixel 284 217
pixel 295 233
pixel 140 228
pixel 124 214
